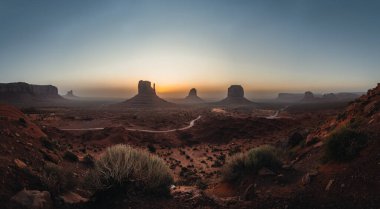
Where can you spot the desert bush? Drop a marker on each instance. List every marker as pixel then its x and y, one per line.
pixel 49 144
pixel 88 160
pixel 151 148
pixel 243 164
pixel 56 179
pixel 22 122
pixel 125 169
pixel 70 156
pixel 344 145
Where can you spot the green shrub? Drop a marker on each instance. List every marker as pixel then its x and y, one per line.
pixel 344 145
pixel 243 164
pixel 56 179
pixel 70 156
pixel 125 169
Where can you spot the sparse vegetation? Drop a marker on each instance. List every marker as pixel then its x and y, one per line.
pixel 70 156
pixel 49 144
pixel 56 179
pixel 123 168
pixel 344 145
pixel 22 122
pixel 243 164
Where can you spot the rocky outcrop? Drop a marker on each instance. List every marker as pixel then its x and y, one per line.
pixel 309 96
pixel 146 98
pixel 70 94
pixel 22 94
pixel 235 96
pixel 32 199
pixel 193 98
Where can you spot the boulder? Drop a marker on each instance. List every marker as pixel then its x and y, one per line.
pixel 32 199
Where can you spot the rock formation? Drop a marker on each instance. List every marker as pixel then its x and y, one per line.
pixel 193 98
pixel 235 96
pixel 70 94
pixel 309 96
pixel 23 94
pixel 146 97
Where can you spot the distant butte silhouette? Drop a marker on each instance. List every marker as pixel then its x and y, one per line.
pixel 146 97
pixel 235 96
pixel 24 95
pixel 193 98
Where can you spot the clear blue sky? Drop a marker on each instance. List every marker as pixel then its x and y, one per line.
pixel 102 48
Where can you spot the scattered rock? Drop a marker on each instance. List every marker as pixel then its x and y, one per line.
pixel 329 185
pixel 73 198
pixel 32 199
pixel 306 179
pixel 249 193
pixel 266 172
pixel 20 164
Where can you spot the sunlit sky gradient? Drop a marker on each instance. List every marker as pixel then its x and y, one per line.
pixel 102 48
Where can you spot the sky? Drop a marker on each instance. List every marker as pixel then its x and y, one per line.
pixel 103 48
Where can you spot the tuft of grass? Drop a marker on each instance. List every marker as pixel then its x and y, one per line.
pixel 344 145
pixel 243 164
pixel 127 170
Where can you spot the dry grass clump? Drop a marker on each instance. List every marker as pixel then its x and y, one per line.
pixel 243 164
pixel 125 169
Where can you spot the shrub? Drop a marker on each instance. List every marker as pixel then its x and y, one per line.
pixel 49 144
pixel 22 122
pixel 125 169
pixel 243 164
pixel 70 156
pixel 88 160
pixel 344 145
pixel 56 179
pixel 151 148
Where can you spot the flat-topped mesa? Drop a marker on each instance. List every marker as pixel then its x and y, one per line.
pixel 145 88
pixel 22 88
pixel 235 91
pixel 26 95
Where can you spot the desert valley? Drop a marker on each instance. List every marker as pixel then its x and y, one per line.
pixel 189 104
pixel 51 145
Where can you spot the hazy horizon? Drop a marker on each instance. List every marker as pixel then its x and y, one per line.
pixel 103 48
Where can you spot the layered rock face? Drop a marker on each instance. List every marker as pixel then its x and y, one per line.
pixel 146 98
pixel 193 97
pixel 24 88
pixel 23 94
pixel 145 88
pixel 235 96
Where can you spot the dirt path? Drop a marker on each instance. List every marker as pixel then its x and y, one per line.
pixel 191 124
